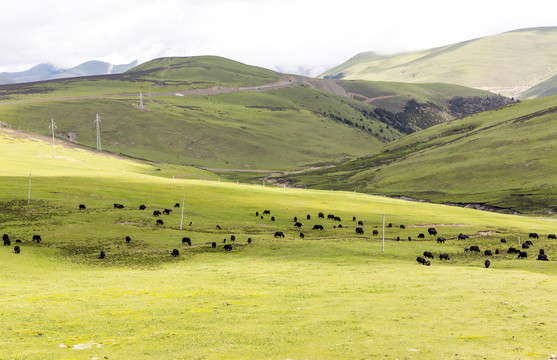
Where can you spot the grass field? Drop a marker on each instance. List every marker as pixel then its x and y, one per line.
pixel 333 294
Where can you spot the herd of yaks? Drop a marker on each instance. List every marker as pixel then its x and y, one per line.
pixel 359 230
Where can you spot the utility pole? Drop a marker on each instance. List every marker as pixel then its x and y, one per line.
pixel 53 126
pixel 141 100
pixel 98 122
pixel 383 242
pixel 182 217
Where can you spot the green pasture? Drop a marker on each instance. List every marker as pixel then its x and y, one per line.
pixel 333 294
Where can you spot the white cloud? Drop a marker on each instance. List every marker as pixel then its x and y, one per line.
pixel 287 35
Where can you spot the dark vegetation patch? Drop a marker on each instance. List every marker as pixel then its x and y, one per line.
pixel 21 211
pixel 460 107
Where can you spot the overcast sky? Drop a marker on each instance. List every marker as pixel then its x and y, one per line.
pixel 296 36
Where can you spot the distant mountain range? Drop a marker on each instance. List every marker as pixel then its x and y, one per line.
pixel 48 72
pixel 513 64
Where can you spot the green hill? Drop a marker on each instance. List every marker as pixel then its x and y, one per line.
pixel 508 63
pixel 218 113
pixel 545 88
pixel 497 159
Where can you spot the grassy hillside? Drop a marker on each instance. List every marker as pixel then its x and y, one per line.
pixel 213 112
pixel 503 158
pixel 545 88
pixel 507 63
pixel 274 298
pixel 413 107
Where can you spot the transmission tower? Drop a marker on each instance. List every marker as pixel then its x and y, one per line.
pixel 98 122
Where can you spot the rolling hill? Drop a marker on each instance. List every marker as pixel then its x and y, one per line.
pixel 501 160
pixel 218 113
pixel 509 63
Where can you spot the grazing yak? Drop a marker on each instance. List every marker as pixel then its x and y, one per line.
pixel 233 238
pixel 462 236
pixel 402 227
pixel 186 240
pixel 142 207
pixel 512 250
pixel 156 213
pixel 249 240
pixel 487 263
pixel 257 213
pixel 423 261
pixel 428 254
pixel 432 231
pixel 308 216
pixel 398 238
pixel 317 227
pixel 359 230
pixel 353 218
pixel 321 215
pixel 102 255
pixel 421 236
pixel 166 211
pixel 302 235
pixel 390 225
pixel 543 257
pixel 551 236
pixel 533 236
pixel 118 206
pixel 213 244
pixel 444 257
pixel 272 218
pixel 218 227
pixel 409 238
pixel 331 217
pixel 37 238
pixel 475 248
pixel 488 253
pixel 160 222
pixel 525 246
pixel 175 252
pixel 177 205
pixel 497 251
pixel 440 240
pixel 266 212
pixel 529 242
pixel 522 254
pixel 128 239
pixel 337 218
pixel 360 223
pixel 17 241
pixel 375 232
pixel 17 250
pixel 504 241
pixel 7 242
pixel 82 207
pixel 228 247
pixel 295 219
pixel 279 234
pixel 542 251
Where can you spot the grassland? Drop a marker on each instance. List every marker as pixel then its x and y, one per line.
pixel 507 63
pixel 332 295
pixel 503 158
